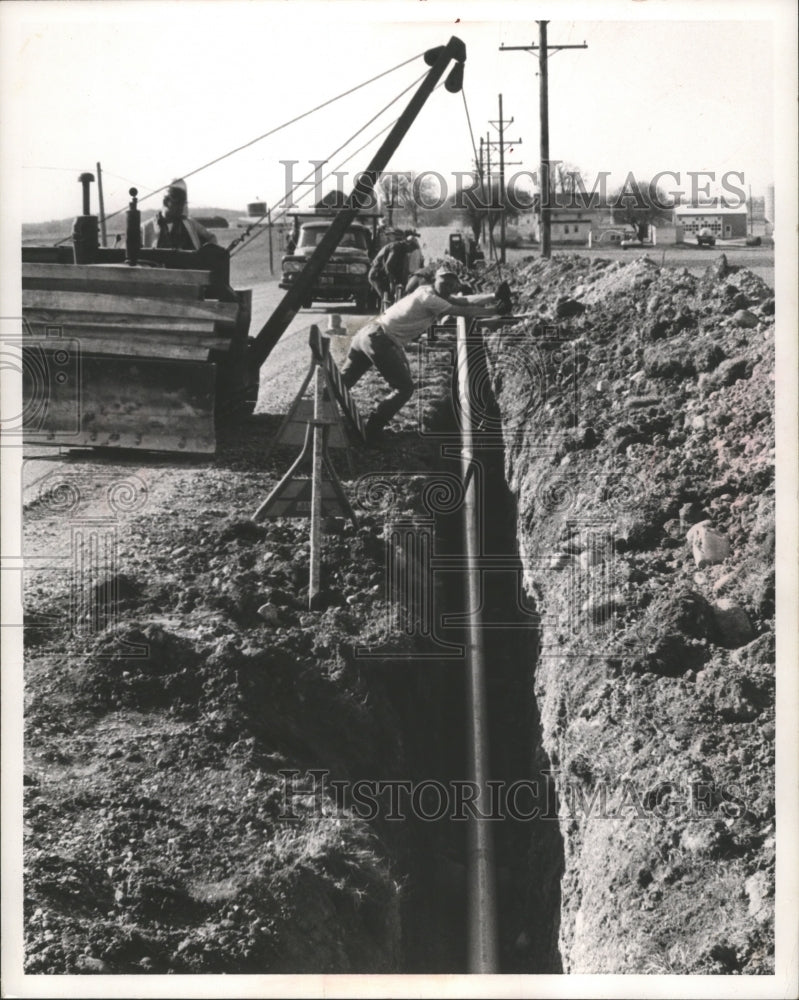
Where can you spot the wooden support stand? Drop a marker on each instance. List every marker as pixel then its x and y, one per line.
pixel 321 494
pixel 302 411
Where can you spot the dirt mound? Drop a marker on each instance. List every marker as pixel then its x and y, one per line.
pixel 639 434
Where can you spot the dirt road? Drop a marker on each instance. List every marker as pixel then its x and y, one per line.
pixel 287 365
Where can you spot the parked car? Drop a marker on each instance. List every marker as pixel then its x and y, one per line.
pixel 633 241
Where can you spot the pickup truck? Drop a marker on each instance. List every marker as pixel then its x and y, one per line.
pixel 345 276
pixel 704 238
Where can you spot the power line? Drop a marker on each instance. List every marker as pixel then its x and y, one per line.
pixel 278 128
pixel 478 159
pixel 500 126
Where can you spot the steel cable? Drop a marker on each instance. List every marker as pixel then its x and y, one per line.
pixel 273 131
pixel 239 243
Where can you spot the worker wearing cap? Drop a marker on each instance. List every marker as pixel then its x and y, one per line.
pixel 389 269
pixel 382 342
pixel 172 228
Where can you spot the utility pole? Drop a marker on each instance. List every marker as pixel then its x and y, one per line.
pixel 543 113
pixel 502 182
pixel 500 126
pixel 481 175
pixel 491 248
pixel 271 248
pixel 543 49
pixel 102 204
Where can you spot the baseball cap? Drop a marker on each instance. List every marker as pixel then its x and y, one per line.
pixel 446 272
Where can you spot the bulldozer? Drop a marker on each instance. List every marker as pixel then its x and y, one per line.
pixel 130 348
pixel 133 347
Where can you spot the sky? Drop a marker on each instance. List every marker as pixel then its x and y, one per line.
pixel 154 90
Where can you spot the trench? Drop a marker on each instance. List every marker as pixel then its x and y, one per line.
pixel 429 696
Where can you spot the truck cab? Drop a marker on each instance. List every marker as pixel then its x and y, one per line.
pixel 345 276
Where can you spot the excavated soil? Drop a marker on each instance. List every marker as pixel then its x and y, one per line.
pixel 171 677
pixel 646 529
pixel 165 695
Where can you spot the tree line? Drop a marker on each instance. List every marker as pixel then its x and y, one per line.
pixel 412 199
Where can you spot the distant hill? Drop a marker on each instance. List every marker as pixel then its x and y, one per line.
pixel 57 229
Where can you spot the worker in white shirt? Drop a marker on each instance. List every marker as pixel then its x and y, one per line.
pixel 382 342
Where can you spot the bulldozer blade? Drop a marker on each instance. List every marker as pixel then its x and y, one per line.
pixel 77 400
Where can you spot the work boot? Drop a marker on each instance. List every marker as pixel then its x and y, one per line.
pixel 374 432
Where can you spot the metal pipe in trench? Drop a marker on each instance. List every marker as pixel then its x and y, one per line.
pixel 482 945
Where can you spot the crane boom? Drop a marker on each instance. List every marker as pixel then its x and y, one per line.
pixel 438 59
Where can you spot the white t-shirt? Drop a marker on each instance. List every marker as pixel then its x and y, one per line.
pixel 408 319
